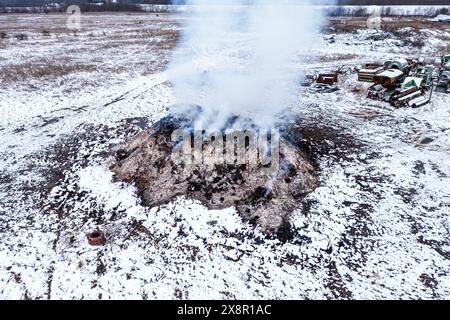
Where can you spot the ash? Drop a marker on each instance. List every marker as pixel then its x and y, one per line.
pixel 265 197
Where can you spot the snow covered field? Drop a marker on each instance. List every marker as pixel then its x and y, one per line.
pixel 331 10
pixel 377 227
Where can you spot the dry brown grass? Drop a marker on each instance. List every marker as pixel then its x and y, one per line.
pixel 43 70
pixel 117 42
pixel 107 44
pixel 337 57
pixel 348 25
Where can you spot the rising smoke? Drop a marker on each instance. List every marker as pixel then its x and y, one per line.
pixel 235 58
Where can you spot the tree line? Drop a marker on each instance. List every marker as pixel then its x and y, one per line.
pixel 41 3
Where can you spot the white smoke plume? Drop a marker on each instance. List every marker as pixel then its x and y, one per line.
pixel 235 58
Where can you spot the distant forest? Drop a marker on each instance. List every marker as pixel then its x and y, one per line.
pixel 41 3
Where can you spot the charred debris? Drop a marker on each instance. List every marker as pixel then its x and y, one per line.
pixel 261 196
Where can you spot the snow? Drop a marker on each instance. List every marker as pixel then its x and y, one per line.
pixel 389 10
pixel 376 227
pixel 441 18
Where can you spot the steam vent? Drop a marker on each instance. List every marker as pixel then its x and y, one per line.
pixel 260 195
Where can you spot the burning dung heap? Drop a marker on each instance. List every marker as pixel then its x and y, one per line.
pixel 260 197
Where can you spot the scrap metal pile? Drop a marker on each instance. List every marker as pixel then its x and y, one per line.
pixel 324 82
pixel 444 78
pixel 401 82
pixel 404 82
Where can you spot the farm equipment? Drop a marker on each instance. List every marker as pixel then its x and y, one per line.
pixel 411 94
pixel 401 64
pixel 376 92
pixel 421 100
pixel 389 77
pixel 321 83
pixel 404 82
pixel 401 97
pixel 427 74
pixel 327 78
pixel 401 82
pixel 445 60
pixel 369 71
pixel 443 84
